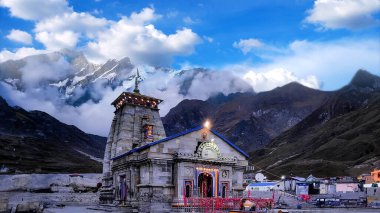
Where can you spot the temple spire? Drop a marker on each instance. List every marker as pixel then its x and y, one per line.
pixel 136 90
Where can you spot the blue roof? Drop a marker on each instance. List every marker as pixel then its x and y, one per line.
pixel 141 148
pixel 262 184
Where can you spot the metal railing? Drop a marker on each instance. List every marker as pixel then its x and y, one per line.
pixel 233 201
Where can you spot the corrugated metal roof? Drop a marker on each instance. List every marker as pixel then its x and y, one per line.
pixel 138 149
pixel 262 184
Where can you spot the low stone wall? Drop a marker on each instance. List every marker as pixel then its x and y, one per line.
pixel 51 198
pixel 40 182
pixel 33 192
pixel 36 202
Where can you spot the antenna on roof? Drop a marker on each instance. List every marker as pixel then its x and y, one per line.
pixel 136 90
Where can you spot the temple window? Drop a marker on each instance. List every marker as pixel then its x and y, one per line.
pixel 148 131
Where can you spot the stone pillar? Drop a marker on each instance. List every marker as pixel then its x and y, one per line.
pixel 237 181
pixel 134 181
pixel 107 152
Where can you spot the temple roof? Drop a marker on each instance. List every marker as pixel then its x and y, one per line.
pixel 137 99
pixel 141 148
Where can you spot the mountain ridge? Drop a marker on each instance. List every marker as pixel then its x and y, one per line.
pixel 338 138
pixel 249 119
pixel 35 142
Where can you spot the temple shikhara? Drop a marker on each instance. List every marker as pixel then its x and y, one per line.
pixel 149 171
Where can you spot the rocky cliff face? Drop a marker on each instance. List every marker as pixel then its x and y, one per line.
pixel 250 120
pixel 36 142
pixel 341 137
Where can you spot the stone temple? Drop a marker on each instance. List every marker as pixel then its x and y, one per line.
pixel 145 169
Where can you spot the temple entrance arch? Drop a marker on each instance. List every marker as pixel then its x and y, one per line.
pixel 205 184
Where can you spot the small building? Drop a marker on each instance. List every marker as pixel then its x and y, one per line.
pixel 327 187
pixel 263 186
pixel 314 184
pixel 373 195
pixel 376 175
pixel 342 186
pixel 289 183
pixel 302 188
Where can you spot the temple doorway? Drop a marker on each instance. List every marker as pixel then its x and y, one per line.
pixel 225 189
pixel 205 185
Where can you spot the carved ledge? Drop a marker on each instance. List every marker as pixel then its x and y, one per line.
pixel 198 156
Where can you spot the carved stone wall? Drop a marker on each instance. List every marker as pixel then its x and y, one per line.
pixel 125 134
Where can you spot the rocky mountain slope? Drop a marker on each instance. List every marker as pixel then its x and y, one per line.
pixel 68 71
pixel 35 142
pixel 77 80
pixel 250 120
pixel 341 137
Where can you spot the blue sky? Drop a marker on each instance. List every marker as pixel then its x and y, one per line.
pixel 250 36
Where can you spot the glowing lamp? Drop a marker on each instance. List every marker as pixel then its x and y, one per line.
pixel 207 124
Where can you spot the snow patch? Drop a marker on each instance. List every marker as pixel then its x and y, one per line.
pixel 90 156
pixel 60 83
pixel 77 79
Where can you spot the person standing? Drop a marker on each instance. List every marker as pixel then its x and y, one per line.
pixel 123 191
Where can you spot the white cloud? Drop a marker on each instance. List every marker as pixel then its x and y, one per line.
pixel 76 22
pixel 209 39
pixel 58 40
pixel 20 36
pixel 246 45
pixel 225 82
pixel 65 30
pixel 19 53
pixel 336 60
pixel 90 117
pixel 134 36
pixel 96 117
pixel 303 61
pixel 35 9
pixel 138 39
pixel 57 25
pixel 188 20
pixel 167 86
pixel 35 72
pixel 264 81
pixel 144 16
pixel 349 14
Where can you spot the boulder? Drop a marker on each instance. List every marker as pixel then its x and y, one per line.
pixel 30 207
pixel 3 204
